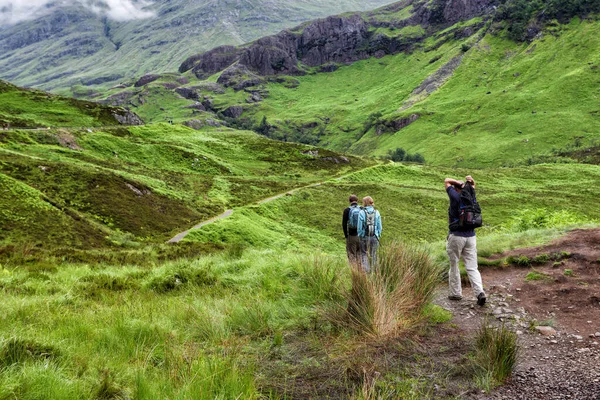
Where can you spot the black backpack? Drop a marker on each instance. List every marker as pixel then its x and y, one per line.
pixel 469 211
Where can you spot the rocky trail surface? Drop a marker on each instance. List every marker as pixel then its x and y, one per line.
pixel 556 317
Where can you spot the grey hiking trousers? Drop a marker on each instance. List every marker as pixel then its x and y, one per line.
pixel 466 247
pixel 368 251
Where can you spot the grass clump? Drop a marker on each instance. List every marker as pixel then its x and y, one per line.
pixel 521 261
pixel 391 300
pixel 19 351
pixel 174 279
pixel 497 352
pixel 569 272
pixel 536 276
pixel 541 259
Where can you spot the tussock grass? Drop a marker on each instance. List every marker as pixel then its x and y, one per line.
pixel 391 300
pixel 18 351
pixel 497 353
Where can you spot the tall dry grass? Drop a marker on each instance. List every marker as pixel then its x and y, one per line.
pixel 391 299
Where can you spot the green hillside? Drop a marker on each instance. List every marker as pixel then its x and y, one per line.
pixel 413 205
pixel 82 186
pixel 28 108
pixel 508 103
pixel 262 304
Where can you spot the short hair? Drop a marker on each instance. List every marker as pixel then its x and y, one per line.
pixel 368 201
pixel 353 198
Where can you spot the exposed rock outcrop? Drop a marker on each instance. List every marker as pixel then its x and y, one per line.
pixel 126 117
pixel 234 112
pixel 239 77
pixel 146 79
pixel 326 42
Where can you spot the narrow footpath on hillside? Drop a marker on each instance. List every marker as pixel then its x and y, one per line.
pixel 180 236
pixel 556 317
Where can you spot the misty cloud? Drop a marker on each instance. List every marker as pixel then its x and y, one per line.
pixel 14 11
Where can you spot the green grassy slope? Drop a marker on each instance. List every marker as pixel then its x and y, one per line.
pixel 26 108
pixel 149 182
pixel 507 102
pixel 412 202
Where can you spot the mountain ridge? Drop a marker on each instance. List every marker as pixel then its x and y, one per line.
pixel 74 46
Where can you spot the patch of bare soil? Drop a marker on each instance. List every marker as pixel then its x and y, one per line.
pixel 564 363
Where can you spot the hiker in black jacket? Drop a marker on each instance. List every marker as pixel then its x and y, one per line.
pixel 349 225
pixel 461 243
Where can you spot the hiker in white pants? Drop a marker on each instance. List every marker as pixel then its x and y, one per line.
pixel 463 243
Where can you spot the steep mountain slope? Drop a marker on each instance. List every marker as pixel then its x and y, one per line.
pixel 443 79
pixel 70 45
pixel 27 108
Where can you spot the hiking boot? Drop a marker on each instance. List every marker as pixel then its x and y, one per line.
pixel 481 299
pixel 455 298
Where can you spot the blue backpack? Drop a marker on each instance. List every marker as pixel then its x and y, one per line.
pixel 353 217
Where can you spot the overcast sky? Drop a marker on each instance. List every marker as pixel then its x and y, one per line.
pixel 13 11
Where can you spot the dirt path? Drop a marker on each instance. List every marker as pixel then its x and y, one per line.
pixel 179 237
pixel 565 363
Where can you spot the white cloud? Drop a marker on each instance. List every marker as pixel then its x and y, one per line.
pixel 14 11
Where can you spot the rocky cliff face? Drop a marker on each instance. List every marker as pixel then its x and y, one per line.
pixel 67 43
pixel 336 39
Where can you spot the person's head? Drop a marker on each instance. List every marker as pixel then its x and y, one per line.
pixel 458 187
pixel 353 199
pixel 368 201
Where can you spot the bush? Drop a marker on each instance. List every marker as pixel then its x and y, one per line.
pixel 541 218
pixel 497 353
pixel 400 155
pixel 391 300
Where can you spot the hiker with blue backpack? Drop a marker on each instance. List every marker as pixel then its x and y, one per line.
pixel 350 227
pixel 464 216
pixel 369 232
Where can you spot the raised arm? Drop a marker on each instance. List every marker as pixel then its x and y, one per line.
pixel 469 179
pixel 453 182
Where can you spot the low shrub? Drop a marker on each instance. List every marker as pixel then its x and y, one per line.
pixel 520 261
pixel 541 218
pixel 541 259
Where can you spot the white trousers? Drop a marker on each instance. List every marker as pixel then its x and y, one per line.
pixel 466 247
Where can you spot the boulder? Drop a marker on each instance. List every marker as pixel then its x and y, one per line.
pixel 126 117
pixel 146 79
pixel 234 112
pixel 239 77
pixel 546 330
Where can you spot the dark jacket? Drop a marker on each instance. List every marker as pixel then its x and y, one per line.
pixel 351 231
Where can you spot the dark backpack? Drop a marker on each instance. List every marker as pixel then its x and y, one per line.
pixel 370 223
pixel 469 211
pixel 353 216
